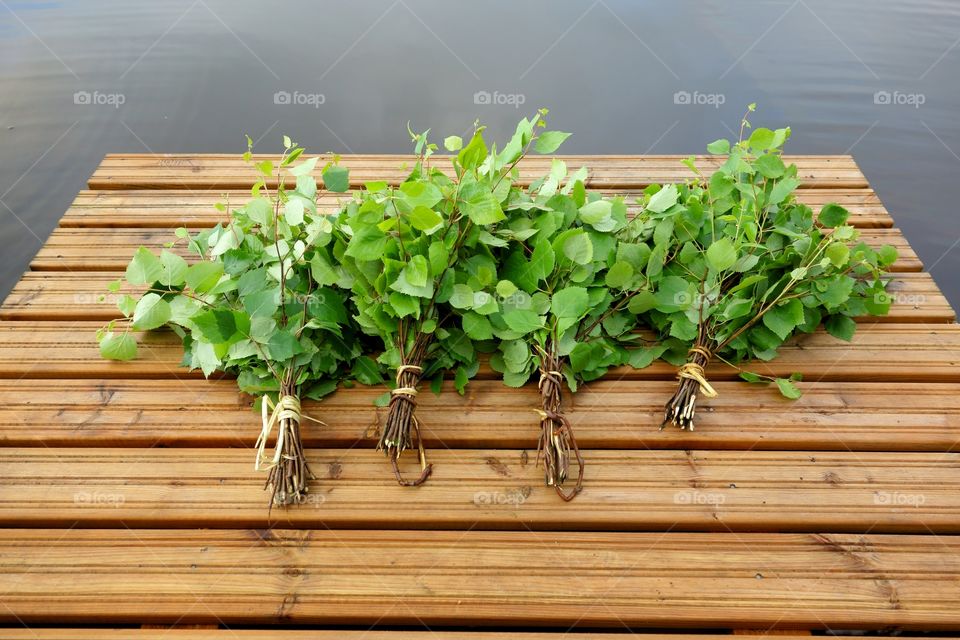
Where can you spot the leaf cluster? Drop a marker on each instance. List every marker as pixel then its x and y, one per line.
pixel 422 261
pixel 734 262
pixel 248 303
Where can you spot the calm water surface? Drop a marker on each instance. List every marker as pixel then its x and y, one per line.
pixel 878 79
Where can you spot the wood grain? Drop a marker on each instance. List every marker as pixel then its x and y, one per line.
pixel 881 352
pixel 155 171
pixel 195 208
pixel 484 578
pixel 680 490
pixel 179 633
pixel 831 416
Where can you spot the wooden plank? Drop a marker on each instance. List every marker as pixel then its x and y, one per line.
pixel 231 172
pixel 110 249
pixel 685 490
pixel 344 634
pixel 483 578
pixel 83 295
pixel 882 353
pixel 843 161
pixel 338 634
pixel 195 209
pixel 620 414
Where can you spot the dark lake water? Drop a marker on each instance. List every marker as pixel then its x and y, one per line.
pixel 876 78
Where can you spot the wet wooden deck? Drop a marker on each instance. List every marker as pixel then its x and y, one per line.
pixel 128 497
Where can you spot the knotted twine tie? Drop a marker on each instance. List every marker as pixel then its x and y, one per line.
pixel 410 392
pixel 287 408
pixel 555 377
pixel 694 371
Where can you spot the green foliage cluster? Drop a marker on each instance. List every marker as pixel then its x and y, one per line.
pixel 560 279
pixel 734 265
pixel 414 281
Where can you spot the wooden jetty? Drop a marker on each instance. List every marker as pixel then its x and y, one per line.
pixel 129 503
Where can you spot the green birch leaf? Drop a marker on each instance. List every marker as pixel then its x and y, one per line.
pixel 840 326
pixel 462 297
pixel 366 371
pixel 203 276
pixel 404 285
pixel 420 194
pixel 118 346
pixel 597 211
pixel 782 189
pixel 323 272
pixel 579 248
pixel 474 153
pixel 480 205
pixel 784 318
pixel 144 268
pixel 283 345
pixel 417 271
pixel 549 141
pixel 770 166
pixel 721 255
pixel 367 243
pixel 174 269
pixel 304 168
pixel 151 312
pixel 542 261
pixel 336 178
pixel 453 143
pixel 832 215
pixel 761 139
pixel 260 211
pixel 262 303
pixel 523 321
pixel 570 302
pixel 219 326
pixel 293 211
pixel 476 326
pixel 619 275
pixel 663 199
pixel 425 219
pixel 788 389
pixel 719 147
pixel 127 304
